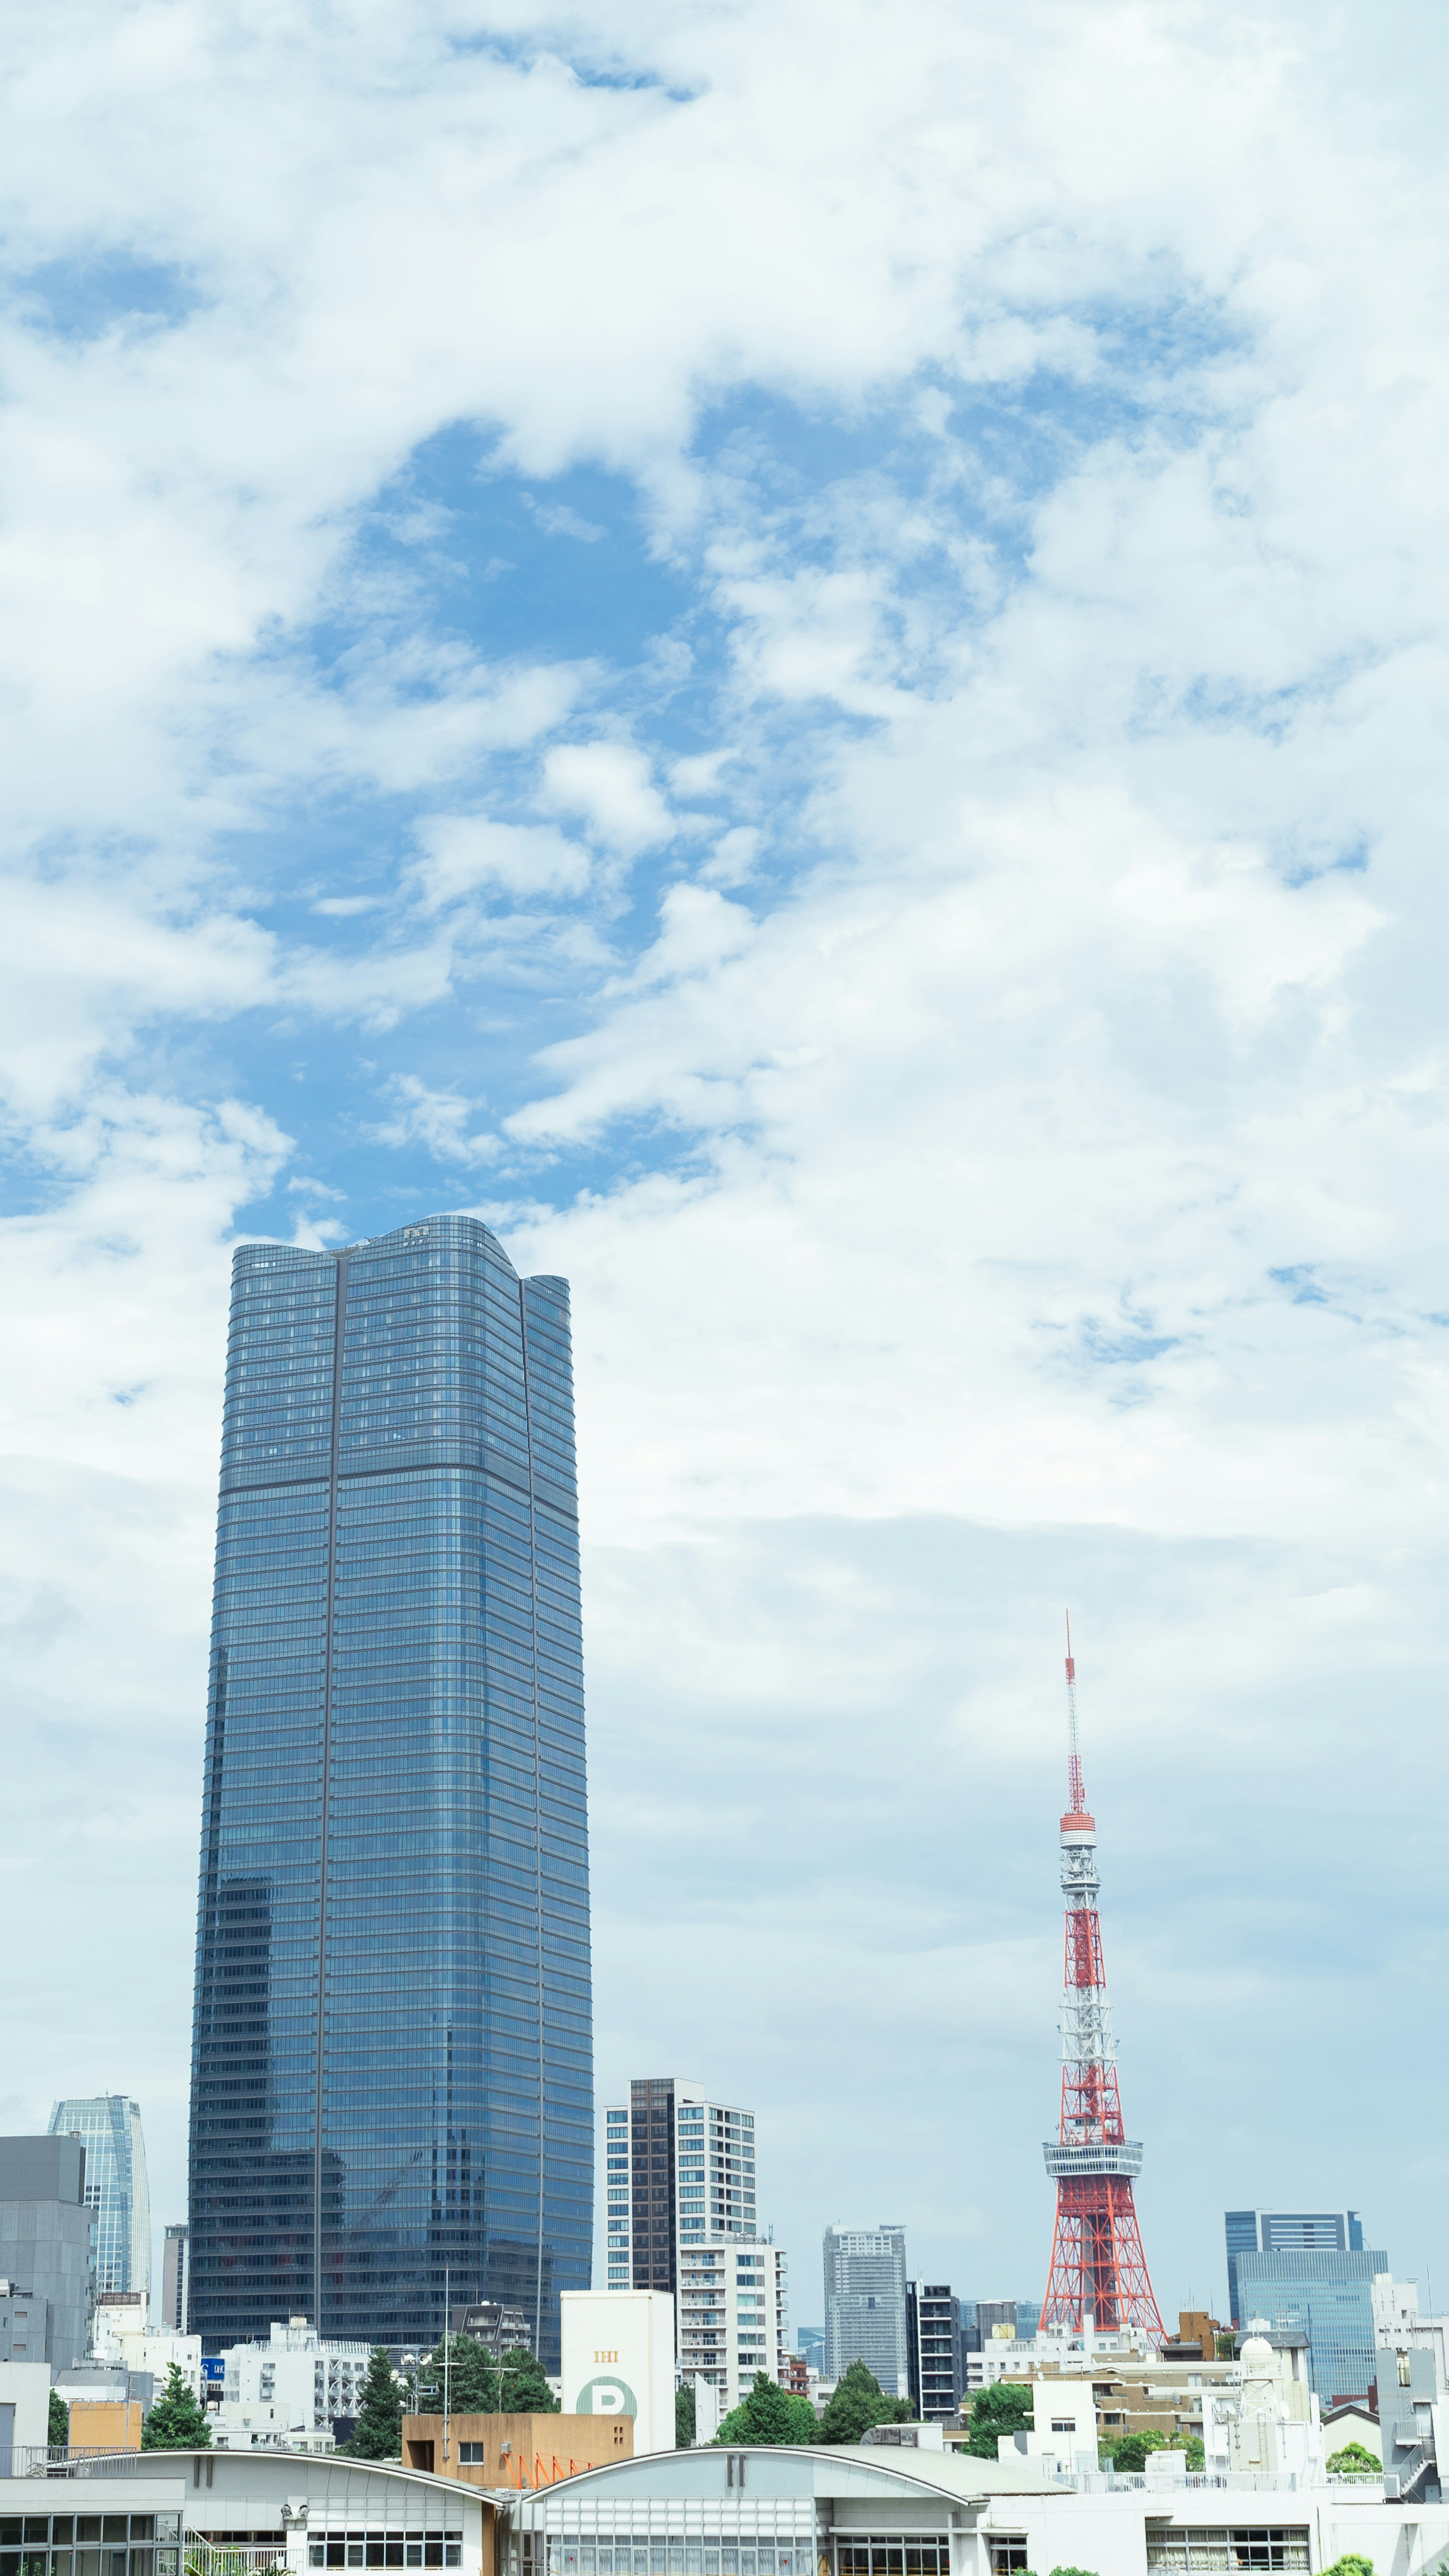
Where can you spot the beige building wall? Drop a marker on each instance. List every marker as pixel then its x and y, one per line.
pixel 515 2450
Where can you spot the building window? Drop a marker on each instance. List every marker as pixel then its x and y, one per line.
pixel 1008 2551
pixel 1208 2552
pixel 893 2557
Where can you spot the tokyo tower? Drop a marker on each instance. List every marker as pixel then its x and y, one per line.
pixel 1098 2271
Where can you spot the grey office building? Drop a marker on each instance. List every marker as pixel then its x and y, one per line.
pixel 866 2310
pixel 176 2278
pixel 45 2248
pixel 933 2319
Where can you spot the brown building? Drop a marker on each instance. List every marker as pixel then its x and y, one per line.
pixel 105 2424
pixel 515 2450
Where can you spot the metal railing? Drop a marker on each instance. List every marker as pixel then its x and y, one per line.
pixel 49 2460
pixel 208 2558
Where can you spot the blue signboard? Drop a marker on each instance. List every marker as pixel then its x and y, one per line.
pixel 214 2366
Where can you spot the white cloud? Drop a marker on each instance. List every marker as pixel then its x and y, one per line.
pixel 438 1121
pixel 464 852
pixel 610 785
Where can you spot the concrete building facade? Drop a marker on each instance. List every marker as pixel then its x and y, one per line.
pixel 285 2393
pixel 176 2277
pixel 45 2241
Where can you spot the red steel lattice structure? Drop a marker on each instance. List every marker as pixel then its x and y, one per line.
pixel 1098 2269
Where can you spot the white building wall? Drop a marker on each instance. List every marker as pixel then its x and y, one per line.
pixel 295 2383
pixel 733 2315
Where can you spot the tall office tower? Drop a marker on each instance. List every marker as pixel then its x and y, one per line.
pixel 933 2323
pixel 109 2127
pixel 679 2170
pixel 1309 2272
pixel 175 2277
pixel 392 2048
pixel 1098 2268
pixel 865 2304
pixel 1286 2231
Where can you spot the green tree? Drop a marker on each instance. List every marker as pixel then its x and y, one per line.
pixel 379 2418
pixel 177 2421
pixel 858 2403
pixel 1074 2571
pixel 1351 2564
pixel 1224 2346
pixel 771 2415
pixel 1130 2453
pixel 1353 2461
pixel 57 2428
pixel 1196 2451
pixel 471 2378
pixel 522 2387
pixel 1005 2407
pixel 684 2417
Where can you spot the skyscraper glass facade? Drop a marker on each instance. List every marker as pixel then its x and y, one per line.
pixel 116 2189
pixel 392 2052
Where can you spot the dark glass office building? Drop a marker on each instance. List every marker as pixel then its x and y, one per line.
pixel 392 2057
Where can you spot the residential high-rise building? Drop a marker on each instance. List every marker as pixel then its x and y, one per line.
pixel 175 2277
pixel 865 2304
pixel 1286 2231
pixel 1309 2271
pixel 46 2234
pixel 679 2169
pixel 392 2049
pixel 109 2127
pixel 733 2312
pixel 933 2351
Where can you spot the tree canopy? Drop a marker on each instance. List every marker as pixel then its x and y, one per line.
pixel 684 2417
pixel 1353 2461
pixel 378 2435
pixel 177 2421
pixel 858 2403
pixel 479 2385
pixel 1351 2564
pixel 57 2425
pixel 1130 2454
pixel 771 2414
pixel 1005 2407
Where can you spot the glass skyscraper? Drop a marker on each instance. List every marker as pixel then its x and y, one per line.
pixel 392 2052
pixel 115 2186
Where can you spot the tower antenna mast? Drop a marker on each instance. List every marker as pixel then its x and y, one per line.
pixel 1098 2270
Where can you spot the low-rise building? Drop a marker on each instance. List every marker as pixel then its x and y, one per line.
pixel 288 2392
pixel 123 2336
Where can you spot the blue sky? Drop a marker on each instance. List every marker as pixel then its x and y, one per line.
pixel 802 654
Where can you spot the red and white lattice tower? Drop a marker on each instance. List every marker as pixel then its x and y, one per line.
pixel 1099 2271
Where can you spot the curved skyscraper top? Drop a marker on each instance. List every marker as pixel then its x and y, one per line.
pixel 116 2190
pixel 392 2053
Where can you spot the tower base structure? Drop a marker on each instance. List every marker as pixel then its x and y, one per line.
pixel 1098 2268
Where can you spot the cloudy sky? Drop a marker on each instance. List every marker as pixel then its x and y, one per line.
pixel 799 650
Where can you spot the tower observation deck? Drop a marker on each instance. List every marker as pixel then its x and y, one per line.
pixel 1098 2268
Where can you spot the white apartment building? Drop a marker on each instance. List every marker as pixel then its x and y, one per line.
pixel 679 2170
pixel 734 2316
pixel 124 2339
pixel 284 2394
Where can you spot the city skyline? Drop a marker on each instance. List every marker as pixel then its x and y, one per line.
pixel 803 676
